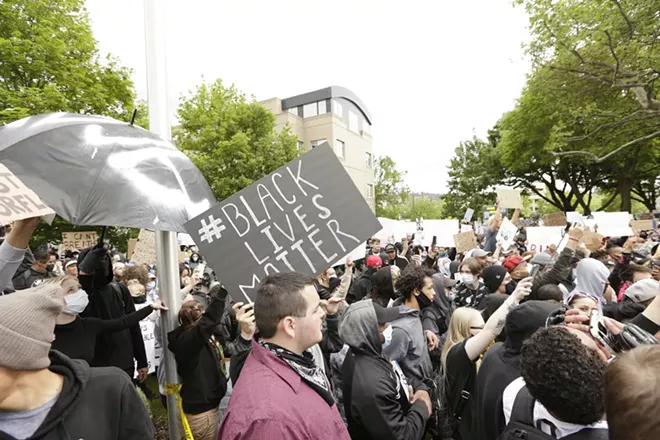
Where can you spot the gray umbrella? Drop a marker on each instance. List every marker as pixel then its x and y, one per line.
pixel 94 170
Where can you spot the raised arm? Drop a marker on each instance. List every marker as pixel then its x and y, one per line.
pixel 516 216
pixel 477 344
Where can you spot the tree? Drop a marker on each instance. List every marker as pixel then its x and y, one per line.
pixel 391 191
pixel 232 141
pixel 474 171
pixel 422 207
pixel 117 236
pixel 50 62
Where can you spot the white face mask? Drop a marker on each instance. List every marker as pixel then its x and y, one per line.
pixel 76 303
pixel 151 285
pixel 387 333
pixel 467 278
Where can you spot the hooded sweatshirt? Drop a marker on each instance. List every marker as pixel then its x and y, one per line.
pixel 591 278
pixel 501 366
pixel 95 403
pixel 376 398
pixel 382 288
pixel 408 346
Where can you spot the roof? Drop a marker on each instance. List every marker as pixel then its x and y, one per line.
pixel 327 93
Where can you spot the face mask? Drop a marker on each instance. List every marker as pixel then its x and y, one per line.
pixel 423 301
pixel 76 303
pixel 151 285
pixel 387 334
pixel 424 255
pixel 510 288
pixel 195 259
pixel 467 278
pixel 140 299
pixel 443 255
pixel 50 267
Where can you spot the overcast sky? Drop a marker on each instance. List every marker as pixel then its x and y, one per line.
pixel 432 73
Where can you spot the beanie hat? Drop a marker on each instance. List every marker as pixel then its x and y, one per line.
pixel 493 277
pixel 27 325
pixel 643 290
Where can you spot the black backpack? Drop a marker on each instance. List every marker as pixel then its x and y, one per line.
pixel 521 425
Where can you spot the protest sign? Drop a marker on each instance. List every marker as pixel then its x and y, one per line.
pixel 641 225
pixel 646 216
pixel 613 224
pixel 301 217
pixel 554 219
pixel 184 239
pixel 507 233
pixel 145 248
pixel 575 217
pixel 509 198
pixel 355 254
pixel 131 247
pixel 443 230
pixel 468 215
pixel 539 238
pixel 465 241
pixel 592 240
pixel 78 240
pixel 465 228
pixel 151 346
pixel 18 202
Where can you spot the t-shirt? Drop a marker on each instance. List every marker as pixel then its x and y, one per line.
pixel 541 413
pixel 23 424
pixel 461 375
pixel 491 240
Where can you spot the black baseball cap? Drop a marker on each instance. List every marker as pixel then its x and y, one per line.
pixel 385 315
pixel 390 248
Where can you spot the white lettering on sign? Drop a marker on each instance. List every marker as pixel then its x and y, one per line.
pixel 17 201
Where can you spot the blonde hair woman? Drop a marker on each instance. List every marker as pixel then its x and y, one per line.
pixel 467 338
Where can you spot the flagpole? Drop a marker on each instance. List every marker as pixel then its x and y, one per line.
pixel 155 31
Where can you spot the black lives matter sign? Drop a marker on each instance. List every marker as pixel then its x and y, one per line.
pixel 302 217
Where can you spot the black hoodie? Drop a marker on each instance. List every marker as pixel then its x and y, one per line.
pixel 382 288
pixel 94 404
pixel 501 366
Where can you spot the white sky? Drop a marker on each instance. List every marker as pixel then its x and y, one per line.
pixel 431 72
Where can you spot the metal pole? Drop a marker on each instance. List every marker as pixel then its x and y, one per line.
pixel 155 30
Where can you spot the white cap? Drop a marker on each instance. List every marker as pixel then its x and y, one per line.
pixel 643 290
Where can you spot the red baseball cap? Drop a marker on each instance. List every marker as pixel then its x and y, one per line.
pixel 374 261
pixel 514 261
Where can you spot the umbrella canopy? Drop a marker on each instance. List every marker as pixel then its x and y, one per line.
pixel 94 170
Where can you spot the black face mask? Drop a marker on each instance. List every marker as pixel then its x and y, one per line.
pixel 423 301
pixel 140 299
pixel 50 267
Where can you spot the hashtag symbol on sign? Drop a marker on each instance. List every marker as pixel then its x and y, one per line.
pixel 210 230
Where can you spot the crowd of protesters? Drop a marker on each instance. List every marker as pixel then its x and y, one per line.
pixel 409 342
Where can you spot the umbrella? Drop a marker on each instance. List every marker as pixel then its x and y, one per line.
pixel 94 170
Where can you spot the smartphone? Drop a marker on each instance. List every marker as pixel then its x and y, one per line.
pixel 598 330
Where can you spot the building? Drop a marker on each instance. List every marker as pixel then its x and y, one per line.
pixel 335 115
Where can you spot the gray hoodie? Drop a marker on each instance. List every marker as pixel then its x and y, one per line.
pixel 408 346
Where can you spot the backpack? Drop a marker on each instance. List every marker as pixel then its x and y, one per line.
pixel 521 425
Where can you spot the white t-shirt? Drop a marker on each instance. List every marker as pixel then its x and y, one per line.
pixel 541 413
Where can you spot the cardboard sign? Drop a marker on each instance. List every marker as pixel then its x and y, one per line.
pixel 510 198
pixel 613 224
pixel 641 225
pixel 145 249
pixel 539 238
pixel 507 234
pixel 301 217
pixel 465 241
pixel 592 240
pixel 554 219
pixel 646 216
pixel 468 215
pixel 78 240
pixel 18 202
pixel 131 247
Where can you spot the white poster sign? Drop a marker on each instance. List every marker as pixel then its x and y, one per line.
pixel 510 198
pixel 151 347
pixel 466 228
pixel 613 224
pixel 539 238
pixel 443 230
pixel 507 234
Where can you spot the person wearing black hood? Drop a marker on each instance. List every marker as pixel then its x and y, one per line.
pixel 501 366
pixel 378 401
pixel 498 282
pixel 393 257
pixel 111 300
pixel 362 286
pixel 195 260
pixel 382 285
pixel 435 318
pixel 47 396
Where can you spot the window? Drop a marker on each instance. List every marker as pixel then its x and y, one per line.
pixel 366 127
pixel 368 160
pixel 352 122
pixel 370 191
pixel 300 145
pixel 322 108
pixel 310 110
pixel 317 142
pixel 340 148
pixel 294 111
pixel 337 109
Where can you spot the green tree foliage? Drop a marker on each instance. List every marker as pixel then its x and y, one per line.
pixel 50 62
pixel 117 236
pixel 474 171
pixel 422 207
pixel 391 192
pixel 232 141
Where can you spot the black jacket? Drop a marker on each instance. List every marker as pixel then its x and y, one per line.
pixel 361 287
pixel 375 400
pixel 95 403
pixel 466 296
pixel 29 278
pixel 198 360
pixel 501 366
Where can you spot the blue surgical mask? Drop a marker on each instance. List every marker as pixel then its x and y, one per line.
pixel 387 334
pixel 76 303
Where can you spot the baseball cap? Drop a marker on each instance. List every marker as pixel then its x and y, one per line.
pixel 542 259
pixel 385 315
pixel 479 253
pixel 643 290
pixel 70 263
pixel 513 261
pixel 448 283
pixel 390 248
pixel 374 260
